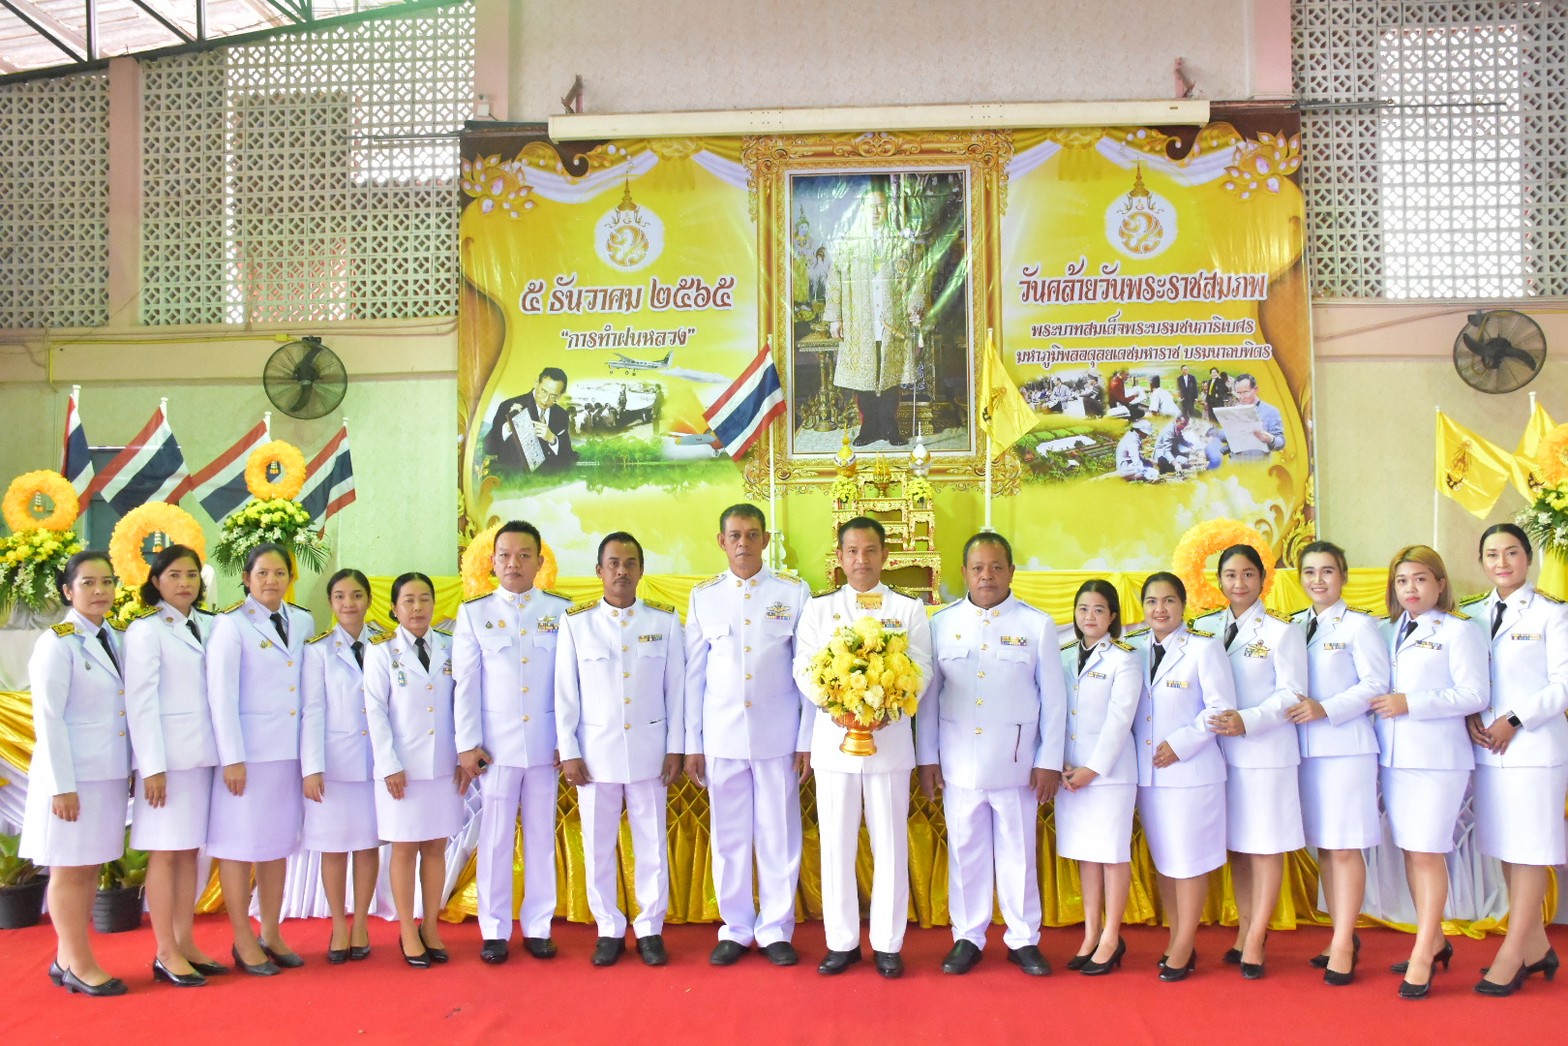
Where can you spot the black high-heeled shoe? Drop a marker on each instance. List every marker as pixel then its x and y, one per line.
pixel 437 955
pixel 265 968
pixel 1320 961
pixel 1547 965
pixel 357 952
pixel 1337 978
pixel 1171 974
pixel 1097 969
pixel 1253 971
pixel 1486 987
pixel 160 972
pixel 209 969
pixel 285 960
pixel 76 986
pixel 1414 991
pixel 56 973
pixel 420 961
pixel 1444 955
pixel 1077 962
pixel 1232 956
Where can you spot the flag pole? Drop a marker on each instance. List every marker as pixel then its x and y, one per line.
pixel 1437 494
pixel 775 546
pixel 988 528
pixel 266 423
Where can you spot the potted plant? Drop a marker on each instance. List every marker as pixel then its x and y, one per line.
pixel 22 885
pixel 118 906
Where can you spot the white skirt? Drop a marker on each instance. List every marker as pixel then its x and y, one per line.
pixel 345 819
pixel 1423 807
pixel 1519 813
pixel 1339 801
pixel 1263 810
pixel 1095 823
pixel 97 835
pixel 1185 828
pixel 181 823
pixel 263 824
pixel 428 810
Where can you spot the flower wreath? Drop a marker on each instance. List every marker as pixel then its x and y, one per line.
pixel 125 544
pixel 476 566
pixel 1551 455
pixel 291 475
pixel 24 488
pixel 1190 561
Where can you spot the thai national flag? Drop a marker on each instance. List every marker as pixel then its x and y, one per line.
pixel 76 463
pixel 220 487
pixel 150 468
pixel 746 407
pixel 329 480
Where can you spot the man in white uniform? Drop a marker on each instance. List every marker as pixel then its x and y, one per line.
pixel 880 781
pixel 990 733
pixel 503 655
pixel 748 737
pixel 619 678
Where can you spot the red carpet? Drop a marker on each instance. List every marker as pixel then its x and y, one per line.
pixel 382 1000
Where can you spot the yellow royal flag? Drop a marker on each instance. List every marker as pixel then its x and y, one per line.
pixel 1524 470
pixel 1471 470
pixel 1004 413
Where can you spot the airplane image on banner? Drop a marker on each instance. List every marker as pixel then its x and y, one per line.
pixel 629 365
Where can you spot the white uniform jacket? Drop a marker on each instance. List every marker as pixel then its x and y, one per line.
pixel 1193 683
pixel 503 656
pixel 409 708
pixel 253 681
pixel 1529 676
pixel 334 736
pixel 741 699
pixel 166 692
pixel 1101 703
pixel 996 706
pixel 1347 666
pixel 1444 672
pixel 620 675
pixel 839 609
pixel 78 709
pixel 1268 662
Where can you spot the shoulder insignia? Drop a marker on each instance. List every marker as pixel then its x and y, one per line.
pixel 1200 632
pixel 825 592
pixel 376 628
pixel 1459 614
pixel 1473 599
pixel 1118 644
pixel 319 636
pixel 1135 633
pixel 64 628
pixel 906 593
pixel 714 580
pixel 116 623
pixel 301 609
pixel 655 605
pixel 385 637
pixel 558 595
pixel 1069 645
pixel 790 576
pixel 205 610
pixel 144 612
pixel 475 599
pixel 1548 597
pixel 580 607
pixel 444 631
pixel 232 607
pixel 1277 615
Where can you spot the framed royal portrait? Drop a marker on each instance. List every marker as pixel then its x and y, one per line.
pixel 876 255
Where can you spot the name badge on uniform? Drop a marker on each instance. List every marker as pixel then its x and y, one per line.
pixel 1095 675
pixel 1524 635
pixel 402 680
pixel 1427 644
pixel 892 624
pixel 446 669
pixel 654 638
pixel 868 600
pixel 547 624
pixel 778 612
pixel 1179 684
pixel 1258 649
pixel 1335 646
pixel 1018 641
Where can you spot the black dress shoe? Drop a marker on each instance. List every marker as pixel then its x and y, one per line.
pixel 56 973
pixel 265 968
pixel 356 953
pixel 838 962
pixel 781 953
pixel 889 964
pixel 1232 957
pixel 76 986
pixel 1444 955
pixel 160 972
pixel 539 947
pixel 285 960
pixel 1170 974
pixel 651 948
pixel 494 951
pixel 1253 971
pixel 1100 969
pixel 1548 965
pixel 1486 987
pixel 418 962
pixel 607 950
pixel 1414 991
pixel 1339 978
pixel 1077 961
pixel 337 956
pixel 962 958
pixel 1029 959
pixel 437 955
pixel 1321 961
pixel 726 953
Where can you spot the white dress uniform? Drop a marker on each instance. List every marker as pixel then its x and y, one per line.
pixel 253 691
pixel 1182 806
pixel 408 707
pixel 880 782
pixel 620 674
pixel 503 655
pixel 81 747
pixel 1347 666
pixel 995 710
pixel 1268 662
pixel 171 726
pixel 1095 823
pixel 1519 795
pixel 1441 666
pixel 747 717
pixel 335 743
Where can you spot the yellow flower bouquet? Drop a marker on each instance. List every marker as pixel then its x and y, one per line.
pixel 276 520
pixel 865 680
pixel 30 562
pixel 1546 520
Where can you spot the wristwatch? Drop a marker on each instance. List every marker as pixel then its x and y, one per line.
pixel 1513 721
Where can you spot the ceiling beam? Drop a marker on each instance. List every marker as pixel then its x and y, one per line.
pixel 171 26
pixel 50 28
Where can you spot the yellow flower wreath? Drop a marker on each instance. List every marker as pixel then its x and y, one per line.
pixel 475 568
pixel 1551 455
pixel 1190 561
pixel 19 495
pixel 125 544
pixel 291 477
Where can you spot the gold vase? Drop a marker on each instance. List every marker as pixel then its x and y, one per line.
pixel 857 741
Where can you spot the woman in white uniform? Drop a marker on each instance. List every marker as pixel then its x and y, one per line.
pixel 175 752
pixel 75 815
pixel 1521 750
pixel 408 699
pixel 334 755
pixel 1100 780
pixel 1439 676
pixel 1347 666
pixel 254 661
pixel 1268 661
pixel 1181 772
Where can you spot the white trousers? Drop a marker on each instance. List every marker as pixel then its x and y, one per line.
pixel 991 842
pixel 505 789
pixel 885 799
pixel 600 806
pixel 755 803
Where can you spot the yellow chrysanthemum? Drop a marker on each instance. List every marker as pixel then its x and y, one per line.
pixel 125 544
pixel 291 471
pixel 1190 561
pixel 18 504
pixel 475 567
